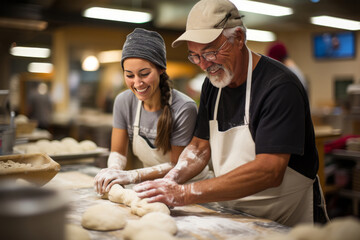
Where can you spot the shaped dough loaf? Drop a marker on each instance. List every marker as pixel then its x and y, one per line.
pixel 153 220
pixel 103 217
pixel 142 208
pixel 118 194
pixel 75 232
pixel 138 206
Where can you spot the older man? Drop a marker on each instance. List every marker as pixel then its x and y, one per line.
pixel 253 121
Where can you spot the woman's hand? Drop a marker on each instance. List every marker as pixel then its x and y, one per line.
pixel 107 177
pixel 163 190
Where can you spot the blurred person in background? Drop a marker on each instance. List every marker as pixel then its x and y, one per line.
pixel 40 107
pixel 152 116
pixel 278 51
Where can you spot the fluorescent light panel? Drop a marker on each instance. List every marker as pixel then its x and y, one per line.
pixel 117 15
pixel 260 35
pixel 34 52
pixel 335 22
pixel 26 24
pixel 37 67
pixel 262 8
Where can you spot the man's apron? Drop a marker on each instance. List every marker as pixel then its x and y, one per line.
pixel 290 203
pixel 153 156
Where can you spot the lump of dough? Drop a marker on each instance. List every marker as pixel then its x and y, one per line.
pixel 87 145
pixel 68 141
pixel 75 232
pixel 307 232
pixel 343 228
pixel 58 147
pixel 152 234
pixel 142 208
pixel 103 217
pixel 154 220
pixel 32 148
pixel 118 194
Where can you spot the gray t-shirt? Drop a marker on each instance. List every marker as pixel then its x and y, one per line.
pixel 184 111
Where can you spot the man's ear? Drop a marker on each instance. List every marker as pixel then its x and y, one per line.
pixel 240 37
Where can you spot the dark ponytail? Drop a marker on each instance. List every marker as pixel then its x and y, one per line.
pixel 164 125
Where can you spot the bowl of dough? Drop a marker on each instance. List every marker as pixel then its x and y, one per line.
pixel 36 168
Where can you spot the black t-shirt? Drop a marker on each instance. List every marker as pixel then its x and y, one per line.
pixel 280 119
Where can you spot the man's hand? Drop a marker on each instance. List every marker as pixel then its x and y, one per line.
pixel 107 177
pixel 163 190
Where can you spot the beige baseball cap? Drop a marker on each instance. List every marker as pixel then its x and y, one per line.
pixel 207 19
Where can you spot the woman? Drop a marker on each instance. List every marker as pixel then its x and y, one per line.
pixel 158 120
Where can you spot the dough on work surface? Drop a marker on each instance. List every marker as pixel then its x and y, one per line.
pixel 118 194
pixel 138 206
pixel 75 232
pixel 152 234
pixel 345 228
pixel 142 208
pixel 154 220
pixel 307 232
pixel 103 217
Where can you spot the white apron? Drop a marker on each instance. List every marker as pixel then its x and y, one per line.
pixel 152 156
pixel 290 203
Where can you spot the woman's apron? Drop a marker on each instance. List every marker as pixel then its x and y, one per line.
pixel 153 156
pixel 290 203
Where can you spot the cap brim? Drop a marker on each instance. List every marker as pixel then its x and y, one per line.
pixel 202 36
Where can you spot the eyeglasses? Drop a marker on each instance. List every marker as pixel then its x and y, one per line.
pixel 208 56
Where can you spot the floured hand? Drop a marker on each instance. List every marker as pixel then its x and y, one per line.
pixel 163 190
pixel 107 177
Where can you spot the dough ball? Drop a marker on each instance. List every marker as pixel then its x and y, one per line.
pixel 43 143
pixel 68 141
pixel 21 119
pixel 152 234
pixel 58 147
pixel 32 149
pixel 154 220
pixel 103 217
pixel 121 195
pixel 142 208
pixel 88 145
pixel 76 148
pixel 162 221
pixel 45 146
pixel 75 232
pixel 307 232
pixel 344 228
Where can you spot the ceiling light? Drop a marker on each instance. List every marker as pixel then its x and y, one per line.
pixel 91 63
pixel 26 24
pixel 34 52
pixel 262 8
pixel 260 35
pixel 117 15
pixel 37 67
pixel 336 22
pixel 110 56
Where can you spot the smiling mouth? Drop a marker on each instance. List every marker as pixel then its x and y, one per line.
pixel 141 90
pixel 214 69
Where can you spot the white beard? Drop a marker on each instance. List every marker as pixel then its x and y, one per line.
pixel 216 80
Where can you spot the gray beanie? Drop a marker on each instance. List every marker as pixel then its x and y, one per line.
pixel 145 44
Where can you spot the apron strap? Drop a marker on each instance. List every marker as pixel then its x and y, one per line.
pixel 248 89
pixel 217 104
pixel 137 118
